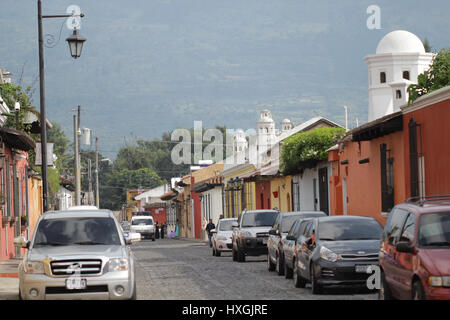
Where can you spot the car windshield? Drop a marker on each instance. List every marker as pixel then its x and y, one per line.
pixel 77 231
pixel 434 229
pixel 349 229
pixel 226 225
pixel 145 222
pixel 259 219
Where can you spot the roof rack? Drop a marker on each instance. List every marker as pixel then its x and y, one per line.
pixel 421 200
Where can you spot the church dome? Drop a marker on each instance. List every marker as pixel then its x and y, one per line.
pixel 400 41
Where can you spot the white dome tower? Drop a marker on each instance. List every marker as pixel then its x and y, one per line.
pixel 286 125
pixel 266 129
pixel 240 142
pixel 399 59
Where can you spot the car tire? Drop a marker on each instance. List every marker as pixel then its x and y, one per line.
pixel 418 293
pixel 287 271
pixel 270 265
pixel 134 295
pixel 315 287
pixel 280 265
pixel 240 255
pixel 299 282
pixel 385 292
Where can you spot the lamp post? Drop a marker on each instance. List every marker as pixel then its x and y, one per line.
pixel 75 44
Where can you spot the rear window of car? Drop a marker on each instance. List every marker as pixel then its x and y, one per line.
pixel 226 225
pixel 349 229
pixel 259 219
pixel 434 230
pixel 76 231
pixel 145 222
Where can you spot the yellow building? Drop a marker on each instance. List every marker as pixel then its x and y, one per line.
pixel 239 194
pixel 281 193
pixel 35 209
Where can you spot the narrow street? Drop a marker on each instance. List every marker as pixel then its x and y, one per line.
pixel 182 269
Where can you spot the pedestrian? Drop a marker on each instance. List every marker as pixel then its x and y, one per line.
pixel 163 226
pixel 156 230
pixel 210 226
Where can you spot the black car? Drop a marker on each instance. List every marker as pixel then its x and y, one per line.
pixel 279 231
pixel 337 251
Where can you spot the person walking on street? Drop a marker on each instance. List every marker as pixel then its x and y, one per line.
pixel 163 226
pixel 156 230
pixel 210 226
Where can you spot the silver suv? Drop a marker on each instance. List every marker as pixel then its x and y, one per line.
pixel 251 232
pixel 78 255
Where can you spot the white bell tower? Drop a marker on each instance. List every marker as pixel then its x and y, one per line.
pixel 400 57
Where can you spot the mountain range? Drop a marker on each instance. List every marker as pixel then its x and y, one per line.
pixel 149 67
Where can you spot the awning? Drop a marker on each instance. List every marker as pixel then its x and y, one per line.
pixel 270 171
pixel 208 184
pixel 169 195
pixel 378 128
pixel 17 139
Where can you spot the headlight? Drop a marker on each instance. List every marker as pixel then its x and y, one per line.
pixel 34 267
pixel 328 255
pixel 117 264
pixel 439 281
pixel 246 234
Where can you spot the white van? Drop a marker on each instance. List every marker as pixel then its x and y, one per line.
pixel 145 225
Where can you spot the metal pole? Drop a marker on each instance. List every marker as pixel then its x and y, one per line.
pixel 78 153
pixel 90 182
pixel 42 110
pixel 97 199
pixel 77 168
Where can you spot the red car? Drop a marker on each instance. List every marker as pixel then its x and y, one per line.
pixel 415 251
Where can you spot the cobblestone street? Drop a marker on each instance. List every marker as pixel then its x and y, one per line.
pixel 182 269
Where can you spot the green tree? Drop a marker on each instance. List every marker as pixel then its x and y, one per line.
pixel 436 77
pixel 305 149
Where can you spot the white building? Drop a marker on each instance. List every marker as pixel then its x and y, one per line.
pixel 400 57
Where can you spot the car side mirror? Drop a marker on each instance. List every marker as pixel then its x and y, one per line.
pixel 404 246
pixel 291 238
pixel 21 242
pixel 132 237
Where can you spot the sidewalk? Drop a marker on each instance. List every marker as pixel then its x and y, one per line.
pixel 9 282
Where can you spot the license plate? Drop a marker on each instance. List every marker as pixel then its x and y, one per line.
pixel 361 268
pixel 75 284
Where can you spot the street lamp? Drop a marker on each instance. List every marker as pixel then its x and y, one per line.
pixel 76 42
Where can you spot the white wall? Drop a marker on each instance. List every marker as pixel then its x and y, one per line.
pixel 211 205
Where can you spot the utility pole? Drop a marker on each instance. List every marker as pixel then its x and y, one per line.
pixel 77 164
pixel 90 200
pixel 97 199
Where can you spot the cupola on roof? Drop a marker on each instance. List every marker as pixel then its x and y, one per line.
pixel 400 41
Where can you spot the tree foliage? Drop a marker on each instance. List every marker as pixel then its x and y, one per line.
pixel 437 77
pixel 305 149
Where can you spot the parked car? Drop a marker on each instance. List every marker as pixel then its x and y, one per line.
pixel 294 238
pixel 281 227
pixel 222 235
pixel 415 251
pixel 145 225
pixel 337 251
pixel 77 255
pixel 251 232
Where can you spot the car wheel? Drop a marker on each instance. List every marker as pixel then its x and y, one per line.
pixel 270 265
pixel 315 287
pixel 240 255
pixel 280 265
pixel 418 293
pixel 134 295
pixel 299 282
pixel 384 293
pixel 287 271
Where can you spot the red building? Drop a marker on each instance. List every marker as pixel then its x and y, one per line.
pixel 14 200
